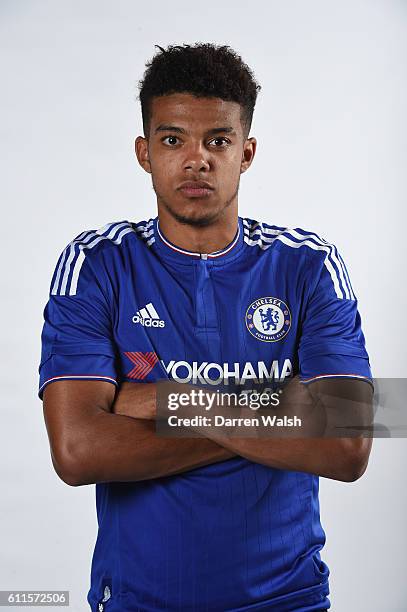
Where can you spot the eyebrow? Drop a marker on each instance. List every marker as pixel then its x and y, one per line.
pixel 178 130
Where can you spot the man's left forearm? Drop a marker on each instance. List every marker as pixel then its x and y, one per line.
pixel 329 410
pixel 337 458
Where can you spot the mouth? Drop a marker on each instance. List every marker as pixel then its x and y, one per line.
pixel 196 189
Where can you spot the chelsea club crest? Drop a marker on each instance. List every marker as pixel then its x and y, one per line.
pixel 268 319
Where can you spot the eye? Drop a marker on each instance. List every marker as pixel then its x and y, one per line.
pixel 170 140
pixel 220 142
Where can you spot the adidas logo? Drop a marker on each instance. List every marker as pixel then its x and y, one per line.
pixel 148 317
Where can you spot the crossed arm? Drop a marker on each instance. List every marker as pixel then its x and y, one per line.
pixel 98 435
pixel 89 443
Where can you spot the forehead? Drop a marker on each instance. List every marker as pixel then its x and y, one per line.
pixel 184 110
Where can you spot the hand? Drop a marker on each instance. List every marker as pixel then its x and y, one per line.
pixel 297 400
pixel 137 400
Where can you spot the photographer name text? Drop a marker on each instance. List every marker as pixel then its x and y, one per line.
pixel 221 421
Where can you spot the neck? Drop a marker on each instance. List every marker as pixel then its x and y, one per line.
pixel 206 239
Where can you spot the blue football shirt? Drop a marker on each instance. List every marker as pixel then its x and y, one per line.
pixel 126 304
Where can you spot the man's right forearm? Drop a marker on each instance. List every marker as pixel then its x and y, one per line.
pixel 114 447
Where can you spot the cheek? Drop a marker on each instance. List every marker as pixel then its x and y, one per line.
pixel 230 172
pixel 164 169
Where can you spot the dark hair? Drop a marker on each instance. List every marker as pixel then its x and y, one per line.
pixel 203 70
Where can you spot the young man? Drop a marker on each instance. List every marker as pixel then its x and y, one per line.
pixel 196 295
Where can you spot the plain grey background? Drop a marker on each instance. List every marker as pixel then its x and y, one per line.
pixel 331 127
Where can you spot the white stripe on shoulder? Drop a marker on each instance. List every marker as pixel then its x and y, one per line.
pixel 66 261
pixel 347 277
pixel 260 234
pixel 263 236
pixel 331 254
pixel 74 254
pixel 327 262
pixel 112 230
pixel 145 229
pixel 55 286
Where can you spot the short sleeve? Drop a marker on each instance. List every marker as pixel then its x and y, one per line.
pixel 332 344
pixel 76 339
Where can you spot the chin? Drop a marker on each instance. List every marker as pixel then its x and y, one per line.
pixel 194 213
pixel 197 220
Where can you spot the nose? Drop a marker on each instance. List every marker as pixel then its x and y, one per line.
pixel 196 158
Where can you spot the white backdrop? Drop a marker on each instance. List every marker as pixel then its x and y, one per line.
pixel 331 128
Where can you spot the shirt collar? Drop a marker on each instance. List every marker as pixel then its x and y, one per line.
pixel 172 251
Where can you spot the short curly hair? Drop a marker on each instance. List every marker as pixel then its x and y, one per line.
pixel 203 70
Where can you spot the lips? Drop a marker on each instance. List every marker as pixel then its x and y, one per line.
pixel 196 189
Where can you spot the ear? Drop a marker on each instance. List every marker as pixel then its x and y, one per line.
pixel 141 149
pixel 249 151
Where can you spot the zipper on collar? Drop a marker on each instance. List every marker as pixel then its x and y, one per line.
pixel 206 315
